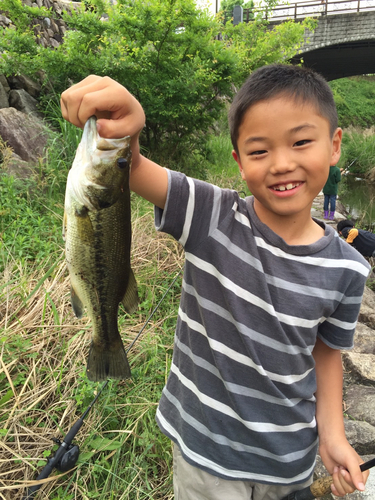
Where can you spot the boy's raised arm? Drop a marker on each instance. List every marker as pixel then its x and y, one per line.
pixel 119 114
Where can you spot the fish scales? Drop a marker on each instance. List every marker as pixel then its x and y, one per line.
pixel 97 232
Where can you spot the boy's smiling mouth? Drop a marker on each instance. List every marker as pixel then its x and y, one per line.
pixel 286 187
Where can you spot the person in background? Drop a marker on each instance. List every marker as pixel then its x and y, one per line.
pixel 330 192
pixel 363 241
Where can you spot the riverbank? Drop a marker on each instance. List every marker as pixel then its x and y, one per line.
pixel 359 375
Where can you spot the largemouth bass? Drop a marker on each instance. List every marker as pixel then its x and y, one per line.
pixel 97 233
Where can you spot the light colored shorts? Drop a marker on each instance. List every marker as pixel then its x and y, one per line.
pixel 191 483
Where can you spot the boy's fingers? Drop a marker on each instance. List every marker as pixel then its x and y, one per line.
pixel 118 112
pixel 93 95
pixel 353 481
pixel 71 98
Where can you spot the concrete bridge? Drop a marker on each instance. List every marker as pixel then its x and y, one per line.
pixel 343 44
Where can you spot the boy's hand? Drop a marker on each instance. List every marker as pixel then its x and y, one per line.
pixel 119 113
pixel 347 477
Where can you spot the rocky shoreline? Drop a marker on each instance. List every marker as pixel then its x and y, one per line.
pixel 359 378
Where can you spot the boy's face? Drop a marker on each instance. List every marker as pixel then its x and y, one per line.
pixel 285 151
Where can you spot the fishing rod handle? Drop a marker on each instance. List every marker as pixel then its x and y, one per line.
pixel 318 488
pixel 321 486
pixel 43 475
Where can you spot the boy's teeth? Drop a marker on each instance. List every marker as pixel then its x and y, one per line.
pixel 283 188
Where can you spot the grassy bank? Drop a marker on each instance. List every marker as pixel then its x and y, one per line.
pixel 43 350
pixel 44 389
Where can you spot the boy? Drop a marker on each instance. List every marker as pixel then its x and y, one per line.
pixel 330 190
pixel 269 297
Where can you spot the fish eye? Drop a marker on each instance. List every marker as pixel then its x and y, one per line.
pixel 122 163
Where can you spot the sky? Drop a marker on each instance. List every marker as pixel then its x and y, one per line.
pixel 211 4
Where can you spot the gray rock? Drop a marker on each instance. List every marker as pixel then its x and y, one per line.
pixel 24 82
pixel 367 311
pixel 25 134
pixel 360 403
pixel 23 102
pixel 4 83
pixel 360 365
pixel 361 436
pixel 4 102
pixel 364 339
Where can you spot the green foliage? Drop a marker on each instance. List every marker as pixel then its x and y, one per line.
pixel 255 45
pixel 355 101
pixel 26 232
pixel 166 53
pixel 358 152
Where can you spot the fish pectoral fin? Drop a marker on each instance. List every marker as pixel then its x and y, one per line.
pixel 77 304
pixel 84 227
pixel 131 299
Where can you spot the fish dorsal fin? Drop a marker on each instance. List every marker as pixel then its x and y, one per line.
pixel 77 305
pixel 130 299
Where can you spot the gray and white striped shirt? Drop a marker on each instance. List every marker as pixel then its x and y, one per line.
pixel 239 399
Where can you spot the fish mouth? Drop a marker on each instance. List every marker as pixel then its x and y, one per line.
pixel 90 134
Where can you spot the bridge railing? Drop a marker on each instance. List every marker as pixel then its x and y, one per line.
pixel 300 10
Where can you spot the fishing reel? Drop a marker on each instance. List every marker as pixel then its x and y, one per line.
pixel 68 460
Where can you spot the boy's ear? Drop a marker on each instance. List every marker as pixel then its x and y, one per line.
pixel 336 146
pixel 238 160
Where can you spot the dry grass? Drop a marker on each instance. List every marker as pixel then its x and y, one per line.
pixel 43 388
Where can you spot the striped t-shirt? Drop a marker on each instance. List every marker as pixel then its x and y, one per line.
pixel 239 400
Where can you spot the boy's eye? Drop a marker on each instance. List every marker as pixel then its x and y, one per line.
pixel 257 153
pixel 302 143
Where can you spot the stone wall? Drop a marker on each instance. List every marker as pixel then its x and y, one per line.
pixel 21 124
pixel 341 28
pixel 48 30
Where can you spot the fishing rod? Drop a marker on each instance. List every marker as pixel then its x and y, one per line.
pixel 321 486
pixel 66 456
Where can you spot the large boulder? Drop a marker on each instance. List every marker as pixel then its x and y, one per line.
pixel 367 311
pixel 24 82
pixel 360 403
pixel 24 102
pixel 25 134
pixel 4 102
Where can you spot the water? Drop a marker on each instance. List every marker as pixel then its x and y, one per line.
pixel 358 197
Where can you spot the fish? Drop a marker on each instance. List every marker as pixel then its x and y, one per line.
pixel 97 234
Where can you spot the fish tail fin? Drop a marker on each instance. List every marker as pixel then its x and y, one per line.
pixel 107 362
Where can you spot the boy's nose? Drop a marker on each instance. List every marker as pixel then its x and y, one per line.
pixel 282 162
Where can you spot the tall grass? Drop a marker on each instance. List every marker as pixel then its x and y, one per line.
pixel 358 151
pixel 44 389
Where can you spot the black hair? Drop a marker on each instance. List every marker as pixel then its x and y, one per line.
pixel 343 224
pixel 274 80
